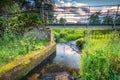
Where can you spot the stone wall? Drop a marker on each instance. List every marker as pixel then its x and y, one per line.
pixel 38 32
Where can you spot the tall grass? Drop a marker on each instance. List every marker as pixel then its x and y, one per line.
pixel 16 47
pixel 101 58
pixel 13 44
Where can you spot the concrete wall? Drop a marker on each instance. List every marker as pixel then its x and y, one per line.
pixel 38 32
pixel 27 63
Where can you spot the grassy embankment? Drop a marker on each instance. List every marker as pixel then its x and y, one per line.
pixel 101 57
pixel 17 48
pixel 13 44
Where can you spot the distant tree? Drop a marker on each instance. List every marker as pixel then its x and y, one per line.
pixel 78 22
pixel 94 18
pixel 62 21
pixel 117 21
pixel 108 20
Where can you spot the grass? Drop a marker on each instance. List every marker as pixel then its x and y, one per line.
pixel 101 51
pixel 101 58
pixel 67 34
pixel 15 49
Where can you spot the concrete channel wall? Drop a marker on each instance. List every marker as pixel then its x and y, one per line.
pixel 27 63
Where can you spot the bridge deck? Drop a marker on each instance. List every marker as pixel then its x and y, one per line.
pixel 82 26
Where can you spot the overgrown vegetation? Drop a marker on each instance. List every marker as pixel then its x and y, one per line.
pixel 13 44
pixel 65 34
pixel 18 47
pixel 101 58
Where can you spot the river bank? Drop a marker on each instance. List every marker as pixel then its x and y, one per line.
pixel 65 59
pixel 17 69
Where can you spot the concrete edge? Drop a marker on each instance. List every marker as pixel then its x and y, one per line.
pixel 21 67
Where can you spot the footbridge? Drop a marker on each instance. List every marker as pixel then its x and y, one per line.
pixel 100 16
pixel 82 26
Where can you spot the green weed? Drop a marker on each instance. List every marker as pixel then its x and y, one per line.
pixel 101 58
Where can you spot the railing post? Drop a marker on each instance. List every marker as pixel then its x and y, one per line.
pixel 116 16
pixel 88 16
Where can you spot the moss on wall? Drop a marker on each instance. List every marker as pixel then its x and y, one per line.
pixel 17 69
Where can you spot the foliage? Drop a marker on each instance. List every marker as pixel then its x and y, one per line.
pixel 12 43
pixel 10 6
pixel 100 58
pixel 62 21
pixel 63 35
pixel 80 42
pixel 33 19
pixel 78 22
pixel 117 20
pixel 94 18
pixel 48 17
pixel 108 20
pixel 18 47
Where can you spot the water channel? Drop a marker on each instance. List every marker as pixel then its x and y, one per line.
pixel 65 59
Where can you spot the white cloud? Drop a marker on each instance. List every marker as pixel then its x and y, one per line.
pixel 76 4
pixel 70 17
pixel 110 9
pixel 69 0
pixel 80 11
pixel 61 1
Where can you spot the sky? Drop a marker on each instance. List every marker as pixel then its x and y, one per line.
pixel 88 2
pixel 81 13
pixel 72 17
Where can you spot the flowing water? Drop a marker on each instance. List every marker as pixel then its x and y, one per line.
pixel 66 59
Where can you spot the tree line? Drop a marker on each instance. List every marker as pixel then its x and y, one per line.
pixel 94 19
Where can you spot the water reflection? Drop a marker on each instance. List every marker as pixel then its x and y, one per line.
pixel 66 56
pixel 66 59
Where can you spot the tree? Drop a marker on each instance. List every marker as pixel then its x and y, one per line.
pixel 62 21
pixel 78 22
pixel 46 10
pixel 108 20
pixel 117 21
pixel 94 18
pixel 10 6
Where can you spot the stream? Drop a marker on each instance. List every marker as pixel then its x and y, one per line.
pixel 65 59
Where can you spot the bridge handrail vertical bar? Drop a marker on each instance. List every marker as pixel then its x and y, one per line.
pixel 88 16
pixel 64 15
pixel 116 16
